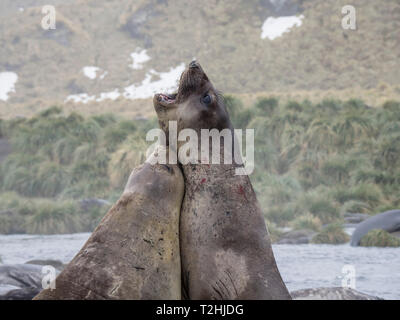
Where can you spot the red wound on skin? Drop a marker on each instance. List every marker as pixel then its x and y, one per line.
pixel 203 180
pixel 242 192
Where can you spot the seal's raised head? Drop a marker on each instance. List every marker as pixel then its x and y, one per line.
pixel 193 80
pixel 197 105
pixel 165 106
pixel 200 105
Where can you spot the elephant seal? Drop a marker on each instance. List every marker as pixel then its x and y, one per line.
pixel 388 221
pixel 20 281
pixel 134 252
pixel 225 247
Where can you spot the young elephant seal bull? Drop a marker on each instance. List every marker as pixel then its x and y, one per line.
pixel 134 252
pixel 225 247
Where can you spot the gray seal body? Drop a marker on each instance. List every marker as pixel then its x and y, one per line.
pixel 388 221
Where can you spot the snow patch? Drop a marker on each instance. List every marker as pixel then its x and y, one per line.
pixel 276 27
pixel 139 57
pixel 112 95
pixel 167 82
pixel 90 72
pixel 103 75
pixel 7 84
pixel 82 97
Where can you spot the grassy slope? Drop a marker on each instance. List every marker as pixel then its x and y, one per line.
pixel 318 59
pixel 314 163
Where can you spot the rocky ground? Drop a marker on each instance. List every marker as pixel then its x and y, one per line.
pixel 305 236
pixel 23 282
pixel 331 294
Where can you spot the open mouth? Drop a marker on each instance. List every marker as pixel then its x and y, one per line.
pixel 167 98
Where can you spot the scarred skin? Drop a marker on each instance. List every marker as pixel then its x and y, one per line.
pixel 225 247
pixel 134 252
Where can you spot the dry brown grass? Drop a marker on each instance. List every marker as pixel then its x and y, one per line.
pixel 315 61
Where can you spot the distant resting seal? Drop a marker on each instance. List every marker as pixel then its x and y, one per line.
pixel 19 276
pixel 225 247
pixel 388 221
pixel 134 252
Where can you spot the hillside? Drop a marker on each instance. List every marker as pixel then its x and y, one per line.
pixel 141 45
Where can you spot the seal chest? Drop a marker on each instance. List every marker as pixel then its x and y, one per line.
pixel 225 247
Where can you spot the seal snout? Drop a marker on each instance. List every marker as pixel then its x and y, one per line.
pixel 194 64
pixel 192 80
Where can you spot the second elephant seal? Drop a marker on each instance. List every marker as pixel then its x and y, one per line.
pixel 225 246
pixel 134 252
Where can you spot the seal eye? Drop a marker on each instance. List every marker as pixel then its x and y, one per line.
pixel 206 99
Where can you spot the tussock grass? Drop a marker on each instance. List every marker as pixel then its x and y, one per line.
pixel 331 152
pixel 379 238
pixel 274 232
pixel 45 216
pixel 331 234
pixel 307 221
pixel 58 159
pixel 54 217
pixel 314 162
pixel 130 155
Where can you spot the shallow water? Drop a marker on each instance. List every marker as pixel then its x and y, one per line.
pixel 377 270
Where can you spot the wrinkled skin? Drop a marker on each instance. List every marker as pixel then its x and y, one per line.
pixel 225 247
pixel 134 252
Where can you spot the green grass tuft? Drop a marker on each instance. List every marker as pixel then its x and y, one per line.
pixel 331 234
pixel 307 221
pixel 379 238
